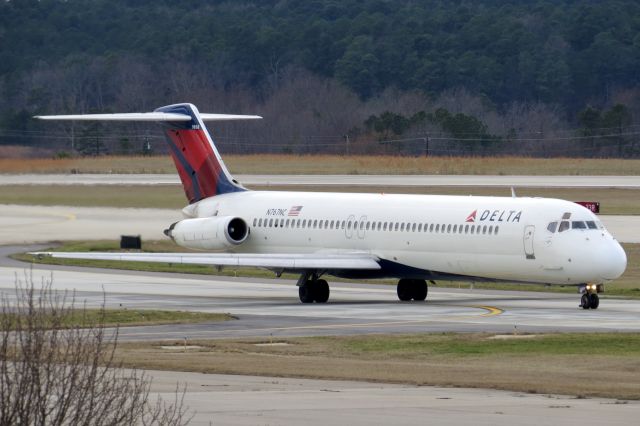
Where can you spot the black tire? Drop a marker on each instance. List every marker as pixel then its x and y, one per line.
pixel 321 291
pixel 594 301
pixel 405 290
pixel 585 301
pixel 420 290
pixel 305 292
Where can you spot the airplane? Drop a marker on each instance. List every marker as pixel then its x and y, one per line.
pixel 413 238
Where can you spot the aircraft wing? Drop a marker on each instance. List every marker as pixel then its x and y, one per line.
pixel 360 261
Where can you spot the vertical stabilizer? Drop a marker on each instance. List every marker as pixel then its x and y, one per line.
pixel 201 169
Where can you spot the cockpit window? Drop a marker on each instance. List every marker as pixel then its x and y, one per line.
pixel 578 224
pixel 591 224
pixel 566 216
pixel 552 227
pixel 564 225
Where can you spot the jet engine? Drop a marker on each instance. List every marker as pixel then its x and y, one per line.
pixel 209 233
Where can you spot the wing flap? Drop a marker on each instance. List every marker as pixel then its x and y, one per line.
pixel 285 261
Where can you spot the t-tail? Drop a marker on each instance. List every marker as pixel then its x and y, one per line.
pixel 200 167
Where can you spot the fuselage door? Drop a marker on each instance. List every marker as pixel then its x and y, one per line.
pixel 361 227
pixel 529 231
pixel 349 227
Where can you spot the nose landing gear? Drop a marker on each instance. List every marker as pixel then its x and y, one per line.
pixel 590 298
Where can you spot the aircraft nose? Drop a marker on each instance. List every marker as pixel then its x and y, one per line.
pixel 614 262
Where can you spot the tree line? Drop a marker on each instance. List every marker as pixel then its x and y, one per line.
pixel 324 67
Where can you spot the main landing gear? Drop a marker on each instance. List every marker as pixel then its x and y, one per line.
pixel 411 289
pixel 311 288
pixel 590 299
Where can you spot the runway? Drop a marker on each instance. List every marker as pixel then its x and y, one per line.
pixel 249 401
pixel 630 182
pixel 270 307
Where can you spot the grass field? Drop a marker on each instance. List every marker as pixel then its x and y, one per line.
pixel 626 286
pixel 584 365
pixel 336 164
pixel 613 201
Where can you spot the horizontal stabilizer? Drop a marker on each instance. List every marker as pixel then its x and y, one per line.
pixel 275 261
pixel 147 116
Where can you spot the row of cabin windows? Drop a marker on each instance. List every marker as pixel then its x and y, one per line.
pixel 374 226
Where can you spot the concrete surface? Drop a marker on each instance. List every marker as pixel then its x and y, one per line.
pixel 270 307
pixel 246 400
pixel 333 180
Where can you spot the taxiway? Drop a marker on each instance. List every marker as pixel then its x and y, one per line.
pixel 631 182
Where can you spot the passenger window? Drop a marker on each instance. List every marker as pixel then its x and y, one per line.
pixel 260 222
pixel 396 226
pixel 431 228
pixel 419 227
pixel 466 229
pixel 552 226
pixel 270 223
pixel 495 231
pixel 361 226
pixel 368 225
pixel 484 229
pixel 473 228
pixel 578 224
pixel 320 225
pixel 490 230
pixel 281 223
pixel 591 224
pixel 438 228
pixel 402 227
pixel 564 225
pixel 343 225
pixel 448 229
pixel 413 228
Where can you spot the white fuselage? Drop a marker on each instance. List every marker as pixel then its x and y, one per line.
pixel 431 236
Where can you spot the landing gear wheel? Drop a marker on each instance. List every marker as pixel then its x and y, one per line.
pixel 321 291
pixel 405 290
pixel 594 301
pixel 305 292
pixel 420 290
pixel 585 301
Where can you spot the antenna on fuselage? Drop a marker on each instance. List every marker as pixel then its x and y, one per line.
pixel 513 192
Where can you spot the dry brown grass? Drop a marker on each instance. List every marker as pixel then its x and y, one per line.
pixel 601 375
pixel 334 164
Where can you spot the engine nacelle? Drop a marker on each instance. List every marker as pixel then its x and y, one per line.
pixel 209 233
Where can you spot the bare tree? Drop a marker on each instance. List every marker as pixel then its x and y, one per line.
pixel 57 372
